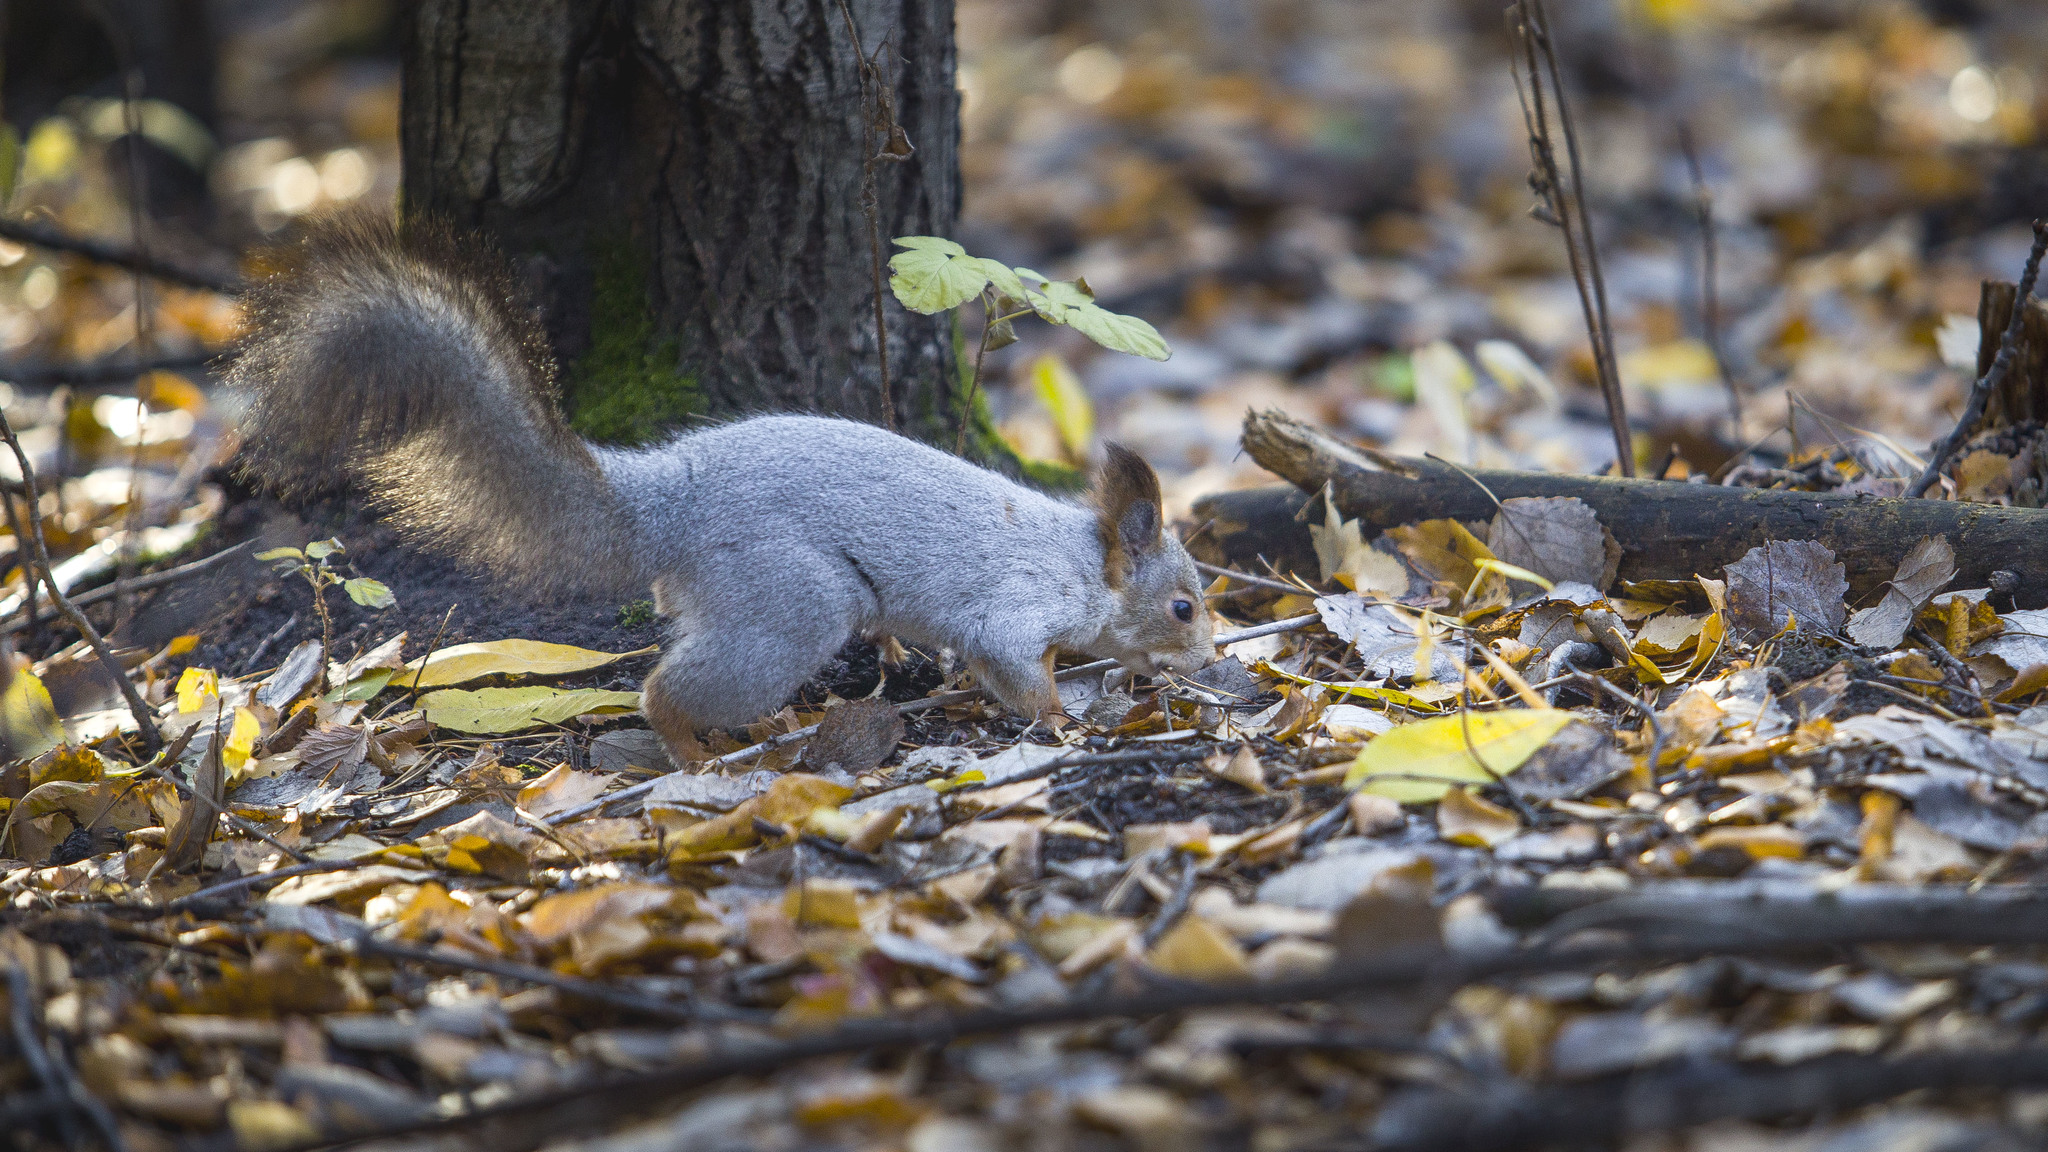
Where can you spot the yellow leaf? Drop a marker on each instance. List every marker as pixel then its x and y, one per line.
pixel 466 662
pixel 1428 696
pixel 822 904
pixel 1675 362
pixel 1195 949
pixel 1759 841
pixel 28 718
pixel 1464 818
pixel 241 741
pixel 1421 761
pixel 492 710
pixel 197 687
pixel 1060 391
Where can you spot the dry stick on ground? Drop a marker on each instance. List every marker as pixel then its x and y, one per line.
pixel 1529 26
pixel 944 699
pixel 49 1068
pixel 30 621
pixel 1710 288
pixel 56 240
pixel 2016 918
pixel 1666 530
pixel 39 569
pixel 1980 393
pixel 145 583
pixel 1492 1114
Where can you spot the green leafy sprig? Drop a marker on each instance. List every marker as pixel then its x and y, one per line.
pixel 936 275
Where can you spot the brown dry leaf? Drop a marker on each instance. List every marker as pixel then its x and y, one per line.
pixel 1982 475
pixel 1557 537
pixel 556 918
pixel 1927 567
pixel 1195 949
pixel 787 803
pixel 1670 634
pixel 854 737
pixel 1192 835
pixel 201 811
pixel 1799 579
pixel 560 789
pixel 1346 558
pixel 1465 818
pixel 1444 552
pixel 1241 768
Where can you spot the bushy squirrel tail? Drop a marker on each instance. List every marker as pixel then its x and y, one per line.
pixel 407 366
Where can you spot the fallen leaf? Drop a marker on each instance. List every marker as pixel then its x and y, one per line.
pixel 1556 537
pixel 465 662
pixel 1195 949
pixel 496 710
pixel 1462 817
pixel 1799 579
pixel 1421 761
pixel 1927 567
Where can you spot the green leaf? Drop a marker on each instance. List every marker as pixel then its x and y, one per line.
pixel 369 593
pixel 1000 275
pixel 927 280
pixel 1070 302
pixel 28 718
pixel 494 710
pixel 1421 761
pixel 465 662
pixel 322 549
pixel 929 244
pixel 281 554
pixel 10 162
pixel 1119 333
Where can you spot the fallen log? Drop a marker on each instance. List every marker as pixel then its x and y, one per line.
pixel 1667 530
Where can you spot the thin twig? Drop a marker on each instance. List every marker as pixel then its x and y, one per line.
pixel 878 113
pixel 31 619
pixel 1980 393
pixel 39 558
pixel 145 583
pixel 1710 291
pixel 988 322
pixel 1648 714
pixel 1248 578
pixel 98 251
pixel 1531 25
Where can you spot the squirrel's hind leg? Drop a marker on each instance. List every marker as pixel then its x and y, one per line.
pixel 729 675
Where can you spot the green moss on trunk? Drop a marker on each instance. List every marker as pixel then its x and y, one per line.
pixel 626 388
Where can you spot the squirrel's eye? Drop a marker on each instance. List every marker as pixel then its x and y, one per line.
pixel 1183 611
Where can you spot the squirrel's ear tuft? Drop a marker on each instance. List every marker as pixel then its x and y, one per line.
pixel 1128 509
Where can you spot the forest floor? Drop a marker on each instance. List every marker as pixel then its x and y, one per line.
pixel 1475 837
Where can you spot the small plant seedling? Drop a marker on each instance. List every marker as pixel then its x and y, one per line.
pixel 937 274
pixel 312 563
pixel 636 613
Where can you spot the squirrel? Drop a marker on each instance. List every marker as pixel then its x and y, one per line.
pixel 409 366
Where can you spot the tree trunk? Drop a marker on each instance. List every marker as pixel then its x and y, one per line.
pixel 680 181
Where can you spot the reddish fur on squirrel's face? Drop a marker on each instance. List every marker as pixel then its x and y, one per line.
pixel 1160 624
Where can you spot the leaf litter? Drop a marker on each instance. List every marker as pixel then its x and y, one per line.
pixel 1744 737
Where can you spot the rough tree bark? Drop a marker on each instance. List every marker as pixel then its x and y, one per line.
pixel 681 181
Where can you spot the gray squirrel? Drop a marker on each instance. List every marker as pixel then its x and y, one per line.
pixel 768 542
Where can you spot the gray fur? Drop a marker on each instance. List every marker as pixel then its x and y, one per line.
pixel 768 542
